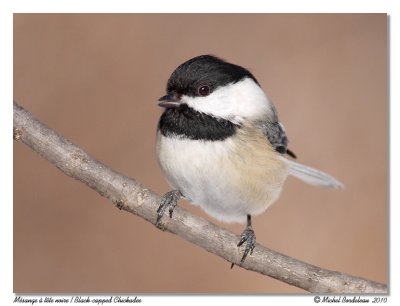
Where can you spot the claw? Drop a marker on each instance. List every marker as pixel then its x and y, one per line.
pixel 170 199
pixel 171 210
pixel 249 237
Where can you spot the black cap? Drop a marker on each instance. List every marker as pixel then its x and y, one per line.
pixel 204 70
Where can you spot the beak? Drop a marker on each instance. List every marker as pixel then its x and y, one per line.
pixel 169 101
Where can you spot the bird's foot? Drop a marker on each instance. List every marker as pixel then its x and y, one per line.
pixel 249 237
pixel 170 199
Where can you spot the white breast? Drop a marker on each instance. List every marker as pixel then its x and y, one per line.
pixel 228 179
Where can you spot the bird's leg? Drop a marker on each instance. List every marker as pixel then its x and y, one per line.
pixel 170 199
pixel 249 237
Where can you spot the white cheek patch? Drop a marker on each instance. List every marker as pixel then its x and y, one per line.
pixel 235 102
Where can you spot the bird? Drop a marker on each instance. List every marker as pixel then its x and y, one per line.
pixel 221 146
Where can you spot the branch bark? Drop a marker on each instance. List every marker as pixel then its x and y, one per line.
pixel 131 196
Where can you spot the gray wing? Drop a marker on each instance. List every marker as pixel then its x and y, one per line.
pixel 276 135
pixel 275 132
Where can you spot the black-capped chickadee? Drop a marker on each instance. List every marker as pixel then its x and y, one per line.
pixel 221 146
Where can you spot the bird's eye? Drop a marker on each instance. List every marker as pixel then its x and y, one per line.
pixel 204 90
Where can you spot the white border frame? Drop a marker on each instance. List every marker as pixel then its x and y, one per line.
pixel 8 7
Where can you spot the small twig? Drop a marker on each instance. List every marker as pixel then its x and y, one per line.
pixel 129 195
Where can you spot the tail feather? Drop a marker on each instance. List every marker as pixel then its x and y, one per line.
pixel 313 176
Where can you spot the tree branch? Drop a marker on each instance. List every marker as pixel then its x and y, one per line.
pixel 131 196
